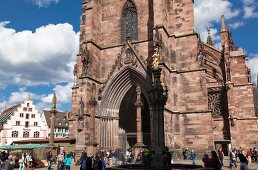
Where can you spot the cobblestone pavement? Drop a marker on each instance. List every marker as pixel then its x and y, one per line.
pixel 252 166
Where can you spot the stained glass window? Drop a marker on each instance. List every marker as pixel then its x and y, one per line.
pixel 129 22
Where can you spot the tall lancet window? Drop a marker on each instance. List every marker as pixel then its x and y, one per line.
pixel 129 22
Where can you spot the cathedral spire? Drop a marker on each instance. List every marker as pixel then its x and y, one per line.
pixel 223 25
pixel 209 39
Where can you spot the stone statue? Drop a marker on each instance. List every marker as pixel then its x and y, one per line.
pixel 80 123
pixel 157 42
pixel 228 71
pixel 138 102
pixel 85 59
pixel 155 59
pixel 54 102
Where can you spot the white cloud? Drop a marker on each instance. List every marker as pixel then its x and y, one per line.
pixel 40 57
pixel 236 25
pixel 253 65
pixel 209 12
pixel 44 3
pixel 63 94
pixel 249 9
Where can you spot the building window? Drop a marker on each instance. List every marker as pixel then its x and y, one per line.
pixel 129 22
pixel 26 134
pixel 27 124
pixel 30 109
pixel 36 134
pixel 25 109
pixel 21 114
pixel 15 134
pixel 35 123
pixel 18 123
pixel 28 104
pixel 33 116
pixel 27 116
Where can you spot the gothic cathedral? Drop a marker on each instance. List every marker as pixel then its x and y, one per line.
pixel 210 95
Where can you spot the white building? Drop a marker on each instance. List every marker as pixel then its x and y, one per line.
pixel 22 122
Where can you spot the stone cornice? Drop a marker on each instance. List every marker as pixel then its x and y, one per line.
pixel 187 112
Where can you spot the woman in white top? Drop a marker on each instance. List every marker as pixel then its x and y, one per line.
pixel 21 162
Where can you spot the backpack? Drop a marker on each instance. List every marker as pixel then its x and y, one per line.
pixel 84 163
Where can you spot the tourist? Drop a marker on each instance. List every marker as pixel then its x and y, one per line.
pixel 254 155
pixel 49 160
pixel 214 161
pixel 86 162
pixel 28 160
pixel 103 163
pixel 9 163
pixel 249 155
pixel 21 162
pixel 185 150
pixel 206 160
pixel 193 156
pixel 116 156
pixel 68 162
pixel 243 160
pixel 60 161
pixel 97 164
pixel 232 158
pixel 221 155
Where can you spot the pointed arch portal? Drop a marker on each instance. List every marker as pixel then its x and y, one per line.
pixel 118 110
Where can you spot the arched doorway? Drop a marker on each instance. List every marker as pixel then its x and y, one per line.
pixel 127 120
pixel 118 99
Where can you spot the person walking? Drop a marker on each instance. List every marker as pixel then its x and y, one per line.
pixel 68 162
pixel 193 156
pixel 214 161
pixel 60 161
pixel 8 163
pixel 243 160
pixel 221 155
pixel 49 160
pixel 232 158
pixel 22 162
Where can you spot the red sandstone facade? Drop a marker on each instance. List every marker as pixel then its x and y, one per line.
pixel 210 96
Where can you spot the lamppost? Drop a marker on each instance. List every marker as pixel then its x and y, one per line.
pixel 53 120
pixel 158 98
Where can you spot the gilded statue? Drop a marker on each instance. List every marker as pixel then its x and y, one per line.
pixel 155 59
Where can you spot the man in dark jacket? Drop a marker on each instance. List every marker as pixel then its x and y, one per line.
pixel 8 163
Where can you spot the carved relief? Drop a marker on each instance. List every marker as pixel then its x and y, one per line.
pixel 85 59
pixel 80 120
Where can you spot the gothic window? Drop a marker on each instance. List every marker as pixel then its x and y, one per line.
pixel 129 22
pixel 215 103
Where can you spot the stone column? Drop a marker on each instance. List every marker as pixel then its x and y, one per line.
pixel 158 99
pixel 52 127
pixel 53 120
pixel 92 144
pixel 139 145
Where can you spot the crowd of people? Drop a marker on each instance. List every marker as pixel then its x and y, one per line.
pixel 216 160
pixel 8 161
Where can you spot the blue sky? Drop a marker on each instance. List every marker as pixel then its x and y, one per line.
pixel 40 40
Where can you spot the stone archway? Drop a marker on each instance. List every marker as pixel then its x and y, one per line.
pixel 128 120
pixel 113 96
